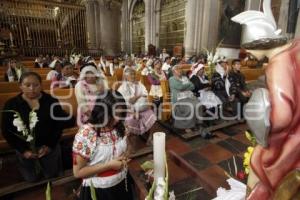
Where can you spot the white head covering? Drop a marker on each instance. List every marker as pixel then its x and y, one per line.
pixel 89 68
pixel 149 62
pixel 53 63
pixel 196 69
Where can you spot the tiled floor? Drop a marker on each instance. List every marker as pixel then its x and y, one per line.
pixel 213 159
pixel 210 158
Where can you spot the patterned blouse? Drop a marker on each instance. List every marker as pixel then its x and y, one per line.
pixel 100 147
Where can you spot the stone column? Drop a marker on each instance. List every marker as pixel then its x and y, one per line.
pixel 157 26
pixel 297 32
pixel 90 19
pixel 110 15
pixel 97 24
pixel 283 17
pixel 148 22
pixel 201 26
pixel 125 27
pixel 190 19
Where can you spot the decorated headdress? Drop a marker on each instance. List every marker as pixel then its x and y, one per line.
pixel 260 29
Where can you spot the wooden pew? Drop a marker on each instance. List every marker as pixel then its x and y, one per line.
pixel 252 74
pixel 119 74
pixel 11 87
pixel 167 106
pixel 68 102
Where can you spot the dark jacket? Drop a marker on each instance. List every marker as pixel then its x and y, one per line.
pixel 198 84
pixel 48 130
pixel 237 82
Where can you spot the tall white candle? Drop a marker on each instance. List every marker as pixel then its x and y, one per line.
pixel 159 141
pixel 11 38
pixel 88 36
pixel 27 31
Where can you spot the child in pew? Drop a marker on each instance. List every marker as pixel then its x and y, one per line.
pixel 154 78
pixel 47 130
pixel 90 84
pixel 55 73
pixel 68 78
pixel 237 81
pixel 14 70
pixel 100 151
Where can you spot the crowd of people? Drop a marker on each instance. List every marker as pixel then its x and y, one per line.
pixel 100 153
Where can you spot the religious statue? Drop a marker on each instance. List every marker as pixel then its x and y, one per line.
pixel 273 114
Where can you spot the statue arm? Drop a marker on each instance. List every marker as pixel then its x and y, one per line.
pixel 281 88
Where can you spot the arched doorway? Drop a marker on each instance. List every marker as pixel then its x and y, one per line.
pixel 138 27
pixel 172 18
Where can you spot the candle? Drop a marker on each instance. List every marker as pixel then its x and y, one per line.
pixel 11 38
pixel 27 31
pixel 88 37
pixel 58 33
pixel 159 154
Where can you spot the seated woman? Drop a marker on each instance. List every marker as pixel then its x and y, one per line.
pixel 47 130
pixel 55 73
pixel 14 70
pixel 221 86
pixel 237 81
pixel 202 88
pixel 90 84
pixel 154 78
pixel 100 151
pixel 68 78
pixel 141 118
pixel 187 112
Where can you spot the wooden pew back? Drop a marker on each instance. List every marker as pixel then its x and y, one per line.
pixel 11 87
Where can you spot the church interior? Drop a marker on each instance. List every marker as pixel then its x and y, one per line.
pixel 149 99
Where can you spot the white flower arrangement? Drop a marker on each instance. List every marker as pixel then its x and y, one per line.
pixel 213 58
pixel 160 188
pixel 74 58
pixel 27 134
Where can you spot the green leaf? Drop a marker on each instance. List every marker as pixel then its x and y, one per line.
pixel 93 192
pixel 151 191
pixel 166 195
pixel 48 192
pixel 147 165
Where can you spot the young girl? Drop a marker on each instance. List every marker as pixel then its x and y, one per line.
pixel 99 151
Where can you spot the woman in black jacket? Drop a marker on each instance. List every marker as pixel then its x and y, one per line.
pixel 47 130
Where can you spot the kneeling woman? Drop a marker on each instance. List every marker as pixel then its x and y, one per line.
pixel 99 151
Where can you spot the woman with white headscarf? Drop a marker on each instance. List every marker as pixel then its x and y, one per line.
pixel 221 86
pixel 202 88
pixel 91 83
pixel 141 118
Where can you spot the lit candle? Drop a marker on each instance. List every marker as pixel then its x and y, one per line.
pixel 159 139
pixel 11 38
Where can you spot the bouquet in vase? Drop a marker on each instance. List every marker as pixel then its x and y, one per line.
pixel 212 58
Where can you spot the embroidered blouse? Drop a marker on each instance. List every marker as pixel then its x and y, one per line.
pixel 100 147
